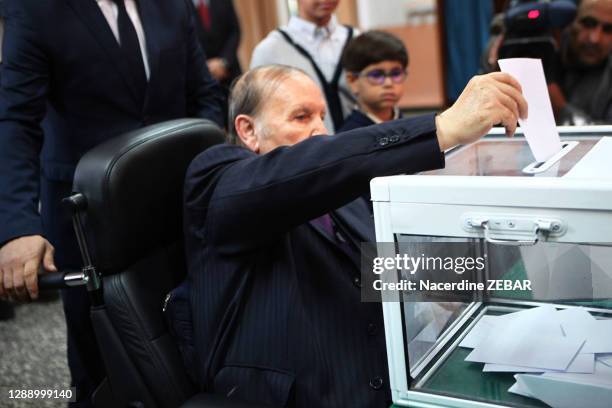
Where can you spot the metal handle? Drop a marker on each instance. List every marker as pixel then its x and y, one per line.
pixel 509 242
pixel 514 229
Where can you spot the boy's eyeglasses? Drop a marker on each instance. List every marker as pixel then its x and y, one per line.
pixel 590 23
pixel 378 76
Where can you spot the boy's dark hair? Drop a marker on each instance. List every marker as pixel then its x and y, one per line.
pixel 373 47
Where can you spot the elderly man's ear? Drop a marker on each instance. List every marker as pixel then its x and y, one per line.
pixel 245 128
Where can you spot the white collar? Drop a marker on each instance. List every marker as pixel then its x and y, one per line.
pixel 377 120
pixel 311 30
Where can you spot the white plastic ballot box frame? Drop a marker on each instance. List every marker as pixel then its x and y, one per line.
pixel 444 206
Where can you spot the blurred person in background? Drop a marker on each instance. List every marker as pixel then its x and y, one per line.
pixel 577 62
pixel 376 66
pixel 313 41
pixel 582 90
pixel 219 34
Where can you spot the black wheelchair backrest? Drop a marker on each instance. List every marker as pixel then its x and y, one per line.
pixel 133 185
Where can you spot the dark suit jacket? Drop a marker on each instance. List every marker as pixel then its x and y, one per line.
pixel 356 119
pixel 222 39
pixel 276 301
pixel 62 63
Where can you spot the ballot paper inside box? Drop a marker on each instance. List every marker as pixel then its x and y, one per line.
pixel 552 229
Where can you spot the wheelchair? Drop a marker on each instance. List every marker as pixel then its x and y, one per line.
pixel 127 215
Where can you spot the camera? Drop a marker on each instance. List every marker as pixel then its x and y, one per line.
pixel 529 29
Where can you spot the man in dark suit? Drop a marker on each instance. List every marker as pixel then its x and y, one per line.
pixel 273 226
pixel 92 69
pixel 219 33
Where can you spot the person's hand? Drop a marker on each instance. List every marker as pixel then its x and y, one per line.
pixel 217 68
pixel 20 260
pixel 486 101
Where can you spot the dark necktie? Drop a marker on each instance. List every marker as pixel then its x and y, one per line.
pixel 326 224
pixel 130 48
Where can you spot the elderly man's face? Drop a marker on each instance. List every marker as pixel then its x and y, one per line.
pixel 294 112
pixel 591 36
pixel 317 10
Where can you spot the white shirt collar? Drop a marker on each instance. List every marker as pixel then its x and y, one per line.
pixel 311 30
pixel 376 119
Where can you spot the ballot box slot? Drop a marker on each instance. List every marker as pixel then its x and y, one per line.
pixel 537 167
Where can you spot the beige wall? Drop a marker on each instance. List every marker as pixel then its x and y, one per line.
pixel 257 18
pixel 347 12
pixel 424 86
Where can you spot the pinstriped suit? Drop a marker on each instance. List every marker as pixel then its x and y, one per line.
pixel 275 300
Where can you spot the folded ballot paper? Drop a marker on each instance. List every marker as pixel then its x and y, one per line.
pixel 539 128
pixel 566 390
pixel 554 350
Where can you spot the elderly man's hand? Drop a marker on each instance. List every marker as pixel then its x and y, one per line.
pixel 487 100
pixel 20 260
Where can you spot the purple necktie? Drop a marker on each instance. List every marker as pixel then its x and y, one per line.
pixel 326 224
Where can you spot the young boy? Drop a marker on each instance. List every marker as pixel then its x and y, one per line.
pixel 375 63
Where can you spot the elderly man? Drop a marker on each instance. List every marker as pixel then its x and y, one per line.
pixel 314 42
pixel 582 91
pixel 273 227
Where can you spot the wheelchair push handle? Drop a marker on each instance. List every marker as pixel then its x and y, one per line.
pixel 61 280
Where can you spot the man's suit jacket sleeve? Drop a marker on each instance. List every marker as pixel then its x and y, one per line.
pixel 204 95
pixel 24 80
pixel 257 198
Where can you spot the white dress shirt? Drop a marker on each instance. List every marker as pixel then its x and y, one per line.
pixel 111 12
pixel 324 44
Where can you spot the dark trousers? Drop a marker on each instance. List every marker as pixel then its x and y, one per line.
pixel 84 360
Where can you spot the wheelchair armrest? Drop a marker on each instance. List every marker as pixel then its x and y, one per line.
pixel 206 400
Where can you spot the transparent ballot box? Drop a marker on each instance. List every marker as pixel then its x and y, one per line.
pixel 496 276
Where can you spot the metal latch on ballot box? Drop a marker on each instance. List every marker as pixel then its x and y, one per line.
pixel 511 229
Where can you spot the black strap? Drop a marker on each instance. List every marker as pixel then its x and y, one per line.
pixel 130 48
pixel 330 89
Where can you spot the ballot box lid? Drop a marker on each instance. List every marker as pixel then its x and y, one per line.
pixel 502 171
